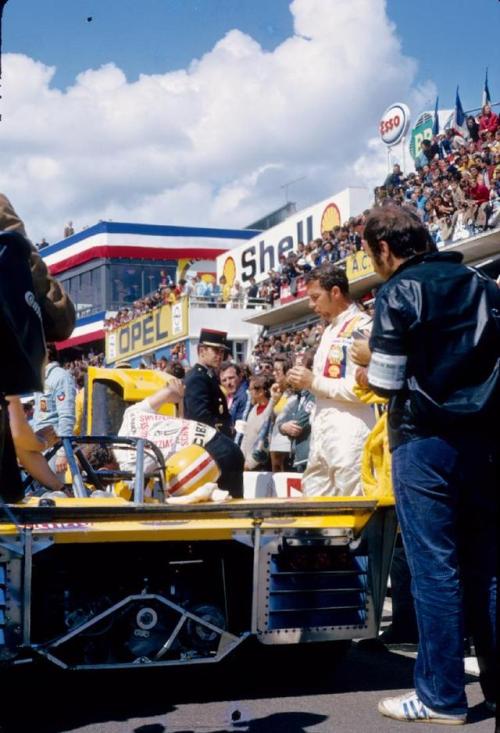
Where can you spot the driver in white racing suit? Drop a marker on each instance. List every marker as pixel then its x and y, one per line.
pixel 341 422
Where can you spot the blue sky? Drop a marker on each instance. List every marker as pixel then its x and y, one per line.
pixel 452 40
pixel 199 112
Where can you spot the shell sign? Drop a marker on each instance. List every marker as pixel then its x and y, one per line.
pixel 330 218
pixel 262 253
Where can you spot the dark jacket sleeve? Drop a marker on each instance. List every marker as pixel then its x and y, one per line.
pixel 303 413
pixel 388 341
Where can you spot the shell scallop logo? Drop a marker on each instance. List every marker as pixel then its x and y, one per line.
pixel 330 218
pixel 229 271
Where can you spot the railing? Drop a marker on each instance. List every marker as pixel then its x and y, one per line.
pixel 210 301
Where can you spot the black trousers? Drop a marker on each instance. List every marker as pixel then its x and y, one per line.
pixel 230 460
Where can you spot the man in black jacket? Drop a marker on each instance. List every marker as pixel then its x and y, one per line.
pixel 205 401
pixel 435 353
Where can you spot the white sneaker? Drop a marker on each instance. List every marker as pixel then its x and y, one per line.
pixel 409 708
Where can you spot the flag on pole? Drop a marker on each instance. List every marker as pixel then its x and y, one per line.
pixel 486 91
pixel 435 124
pixel 459 111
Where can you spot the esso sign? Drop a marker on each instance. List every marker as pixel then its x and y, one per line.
pixel 394 123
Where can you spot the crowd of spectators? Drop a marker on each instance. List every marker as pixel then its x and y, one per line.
pixel 456 186
pixel 455 189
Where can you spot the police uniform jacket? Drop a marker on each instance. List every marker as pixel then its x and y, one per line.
pixel 56 404
pixel 205 401
pixel 435 348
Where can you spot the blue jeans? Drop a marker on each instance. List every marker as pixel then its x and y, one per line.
pixel 446 505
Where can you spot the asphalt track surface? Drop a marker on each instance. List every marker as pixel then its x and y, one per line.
pixel 257 690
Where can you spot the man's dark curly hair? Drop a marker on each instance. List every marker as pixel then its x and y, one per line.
pixel 401 228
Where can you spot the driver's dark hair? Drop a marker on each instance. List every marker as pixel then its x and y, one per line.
pixel 401 228
pixel 329 275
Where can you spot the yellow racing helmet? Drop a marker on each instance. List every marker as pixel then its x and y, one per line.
pixel 188 469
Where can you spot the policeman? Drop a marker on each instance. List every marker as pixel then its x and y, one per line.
pixel 205 402
pixel 204 399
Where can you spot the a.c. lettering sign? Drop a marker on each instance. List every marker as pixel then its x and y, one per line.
pixel 394 124
pixel 358 265
pixel 149 331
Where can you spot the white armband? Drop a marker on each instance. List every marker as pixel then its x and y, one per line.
pixel 387 371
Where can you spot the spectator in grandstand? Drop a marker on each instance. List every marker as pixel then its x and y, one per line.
pixel 68 229
pixel 200 287
pixel 225 289
pixel 394 179
pixel 216 294
pixel 488 120
pixel 472 128
pixel 167 296
pixel 237 295
pixel 295 420
pixel 341 422
pixel 428 151
pixel 235 386
pixel 252 293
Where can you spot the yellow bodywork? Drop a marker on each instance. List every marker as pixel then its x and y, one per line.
pixel 134 384
pixel 179 525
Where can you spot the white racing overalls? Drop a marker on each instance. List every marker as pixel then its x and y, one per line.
pixel 340 422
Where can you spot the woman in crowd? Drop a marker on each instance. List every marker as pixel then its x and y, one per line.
pixel 253 445
pixel 488 120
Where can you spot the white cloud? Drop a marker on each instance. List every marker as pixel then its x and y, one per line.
pixel 213 143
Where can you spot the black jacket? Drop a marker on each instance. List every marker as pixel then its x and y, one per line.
pixel 205 401
pixel 436 348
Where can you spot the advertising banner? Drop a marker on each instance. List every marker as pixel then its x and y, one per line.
pixel 421 131
pixel 394 124
pixel 358 265
pixel 260 254
pixel 148 332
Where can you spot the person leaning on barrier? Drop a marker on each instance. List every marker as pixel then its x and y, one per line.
pixel 435 354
